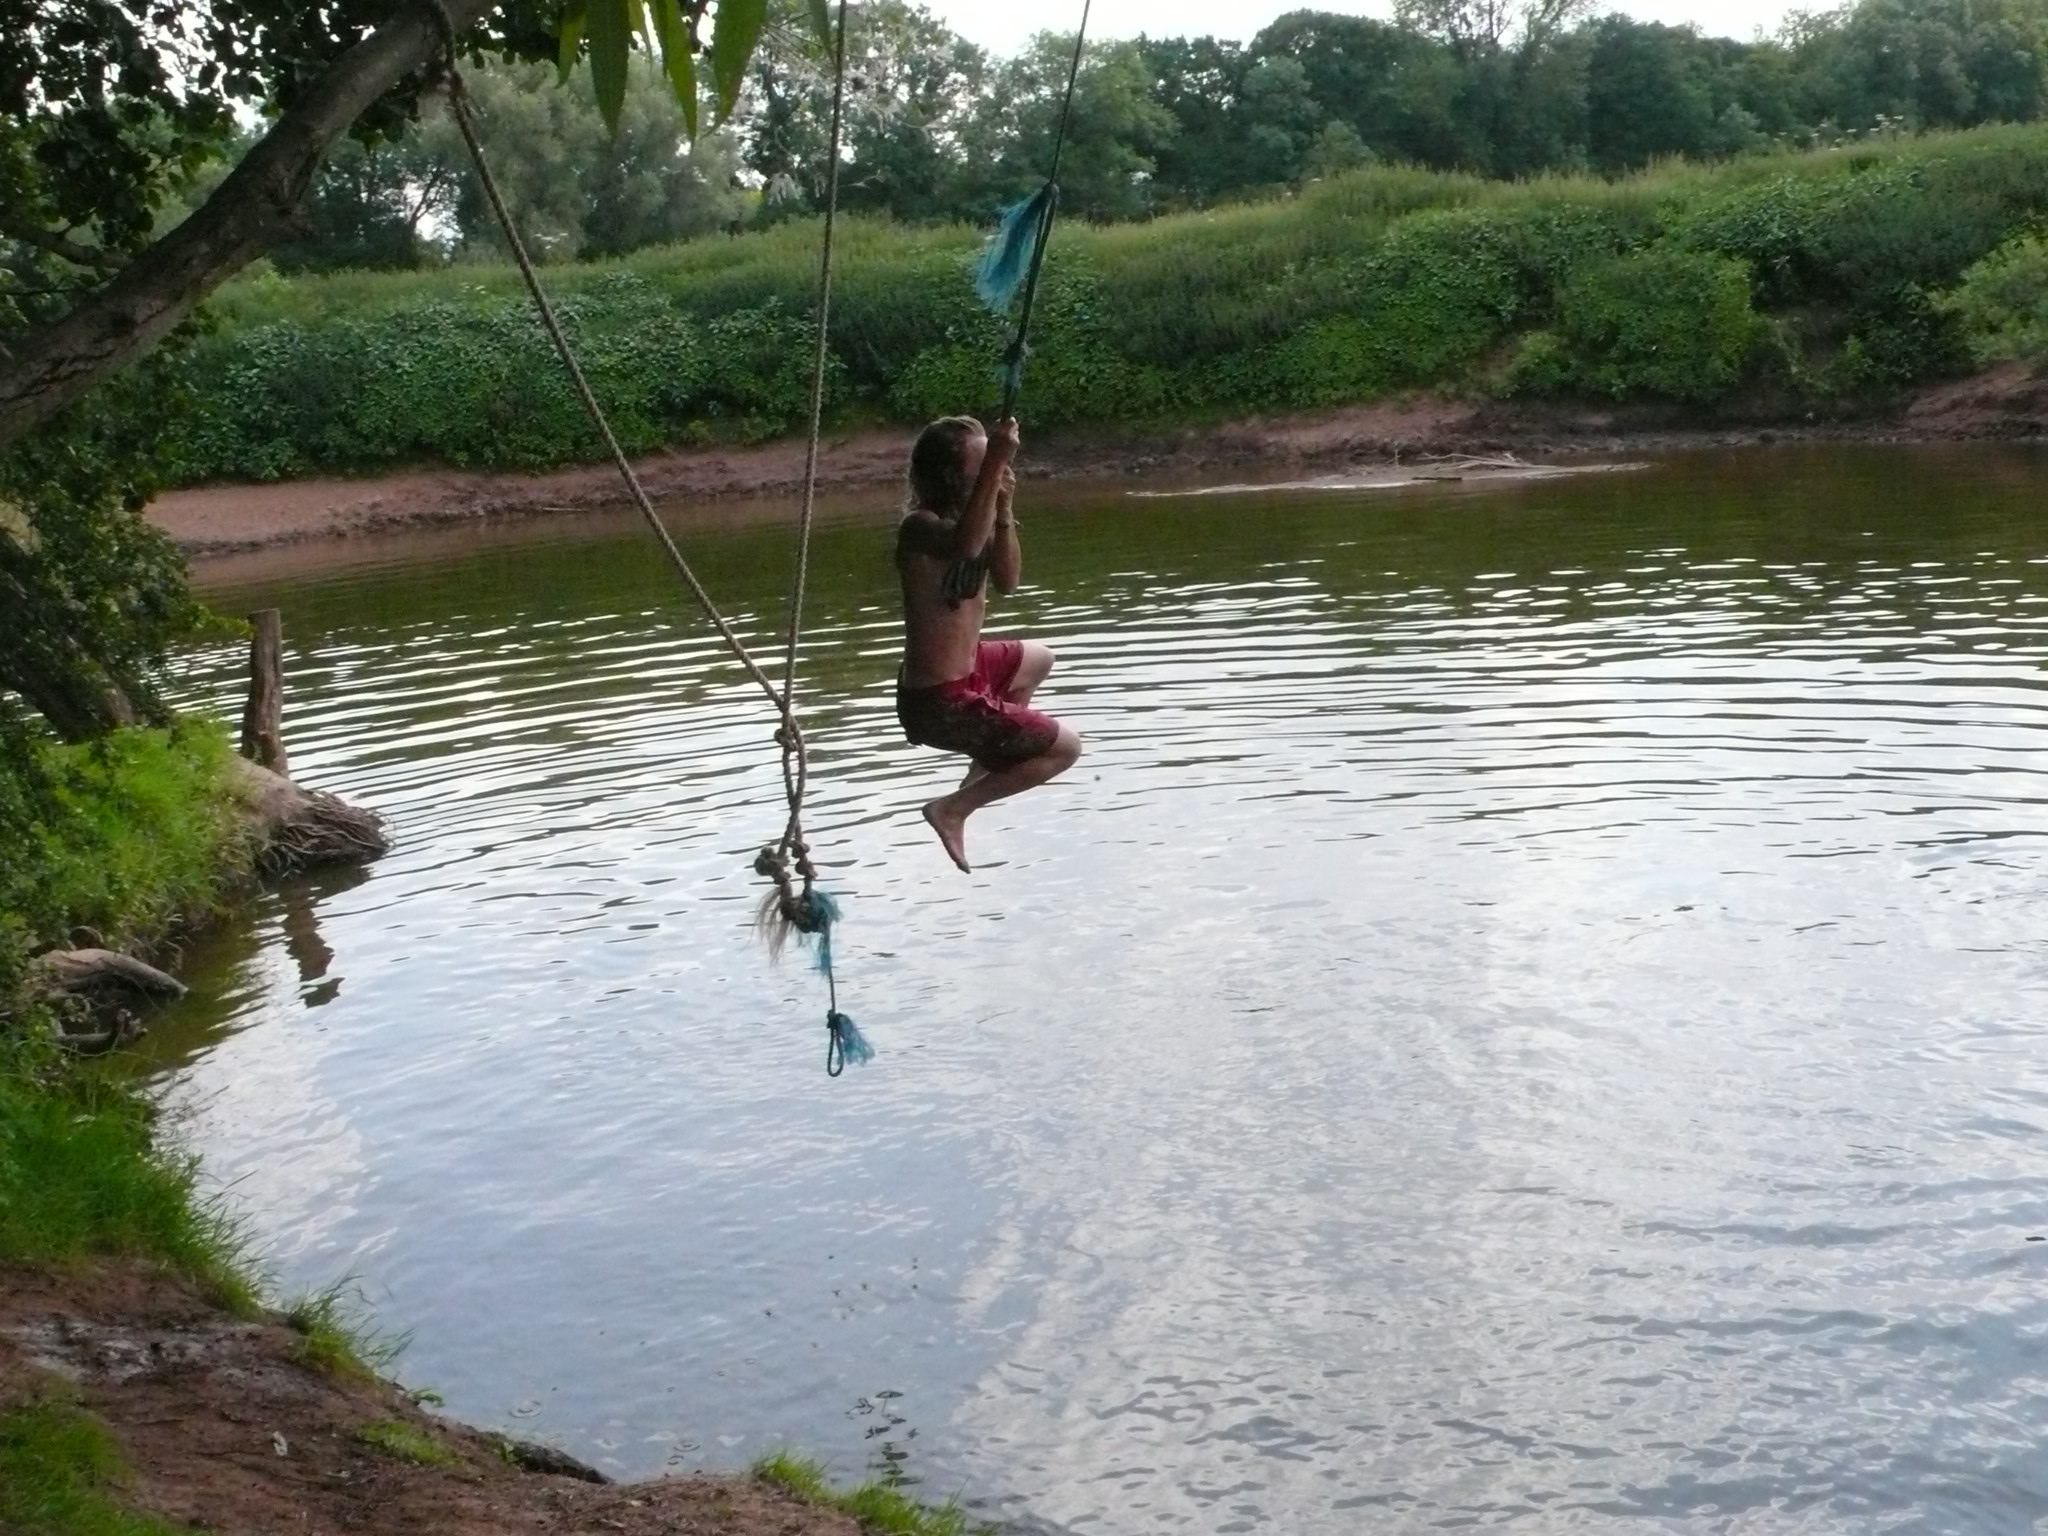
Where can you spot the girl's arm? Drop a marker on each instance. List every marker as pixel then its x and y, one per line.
pixel 979 520
pixel 1006 556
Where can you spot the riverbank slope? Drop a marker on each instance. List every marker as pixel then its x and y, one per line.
pixel 2002 403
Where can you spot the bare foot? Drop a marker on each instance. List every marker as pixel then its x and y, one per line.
pixel 952 830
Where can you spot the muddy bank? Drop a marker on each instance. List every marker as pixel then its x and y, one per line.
pixel 2004 403
pixel 225 1427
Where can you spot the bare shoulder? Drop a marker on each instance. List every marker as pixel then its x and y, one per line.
pixel 925 533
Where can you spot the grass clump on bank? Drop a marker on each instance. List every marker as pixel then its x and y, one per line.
pixel 1813 279
pixel 113 843
pixel 403 1442
pixel 60 1475
pixel 878 1507
pixel 335 1336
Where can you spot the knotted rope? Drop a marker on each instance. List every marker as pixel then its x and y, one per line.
pixel 807 911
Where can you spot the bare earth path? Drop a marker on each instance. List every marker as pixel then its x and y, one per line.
pixel 2002 403
pixel 225 1430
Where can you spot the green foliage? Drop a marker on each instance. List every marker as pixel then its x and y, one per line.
pixel 405 1442
pixel 119 837
pixel 336 1336
pixel 80 1178
pixel 60 1474
pixel 1383 280
pixel 2001 306
pixel 1664 323
pixel 877 1506
pixel 477 384
pixel 94 595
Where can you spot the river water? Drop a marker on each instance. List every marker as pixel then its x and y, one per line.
pixel 1532 1010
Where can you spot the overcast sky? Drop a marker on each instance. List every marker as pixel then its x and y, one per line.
pixel 1001 25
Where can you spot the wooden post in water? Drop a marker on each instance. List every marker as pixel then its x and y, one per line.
pixel 262 720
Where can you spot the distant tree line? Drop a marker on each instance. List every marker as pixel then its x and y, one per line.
pixel 938 129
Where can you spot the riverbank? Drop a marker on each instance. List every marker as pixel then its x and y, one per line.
pixel 145 1388
pixel 1396 439
pixel 143 1393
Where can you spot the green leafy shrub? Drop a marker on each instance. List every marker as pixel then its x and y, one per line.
pixel 1379 280
pixel 1668 323
pixel 2000 308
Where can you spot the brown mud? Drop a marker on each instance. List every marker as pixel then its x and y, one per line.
pixel 2006 402
pixel 225 1429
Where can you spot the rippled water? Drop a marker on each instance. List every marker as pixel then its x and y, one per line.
pixel 1531 1010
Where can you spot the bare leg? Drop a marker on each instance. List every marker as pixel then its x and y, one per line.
pixel 1032 668
pixel 948 814
pixel 1031 671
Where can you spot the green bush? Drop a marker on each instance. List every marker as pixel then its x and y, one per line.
pixel 476 384
pixel 1667 323
pixel 2001 306
pixel 1381 280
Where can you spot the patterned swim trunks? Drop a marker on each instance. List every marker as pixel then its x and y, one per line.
pixel 970 715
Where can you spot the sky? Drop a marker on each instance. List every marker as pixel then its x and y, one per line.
pixel 1002 25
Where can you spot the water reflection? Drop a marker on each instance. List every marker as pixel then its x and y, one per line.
pixel 1529 1011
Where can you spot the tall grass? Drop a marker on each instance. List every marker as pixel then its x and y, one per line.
pixel 1384 280
pixel 879 1508
pixel 61 1475
pixel 112 842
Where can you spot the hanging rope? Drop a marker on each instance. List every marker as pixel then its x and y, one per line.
pixel 806 911
pixel 1018 248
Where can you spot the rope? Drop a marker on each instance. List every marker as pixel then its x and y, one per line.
pixel 810 912
pixel 1013 374
pixel 795 765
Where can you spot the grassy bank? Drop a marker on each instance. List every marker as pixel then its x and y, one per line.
pixel 1801 279
pixel 114 843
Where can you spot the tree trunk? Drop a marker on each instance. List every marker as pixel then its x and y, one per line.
pixel 47 369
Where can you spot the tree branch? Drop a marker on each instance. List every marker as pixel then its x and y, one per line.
pixel 47 369
pixel 56 245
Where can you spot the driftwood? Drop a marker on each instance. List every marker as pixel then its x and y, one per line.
pixel 94 989
pixel 98 972
pixel 290 828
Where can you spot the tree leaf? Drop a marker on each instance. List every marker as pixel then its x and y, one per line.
pixel 672 31
pixel 570 42
pixel 821 21
pixel 611 40
pixel 734 32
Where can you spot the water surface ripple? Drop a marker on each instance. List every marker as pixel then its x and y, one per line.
pixel 1529 1013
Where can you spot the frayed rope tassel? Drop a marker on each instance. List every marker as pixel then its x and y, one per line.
pixel 844 1043
pixel 810 917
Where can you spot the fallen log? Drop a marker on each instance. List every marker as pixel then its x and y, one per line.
pixel 291 828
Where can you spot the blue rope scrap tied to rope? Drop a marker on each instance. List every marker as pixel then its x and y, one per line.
pixel 844 1043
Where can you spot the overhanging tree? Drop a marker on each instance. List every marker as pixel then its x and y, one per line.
pixel 106 107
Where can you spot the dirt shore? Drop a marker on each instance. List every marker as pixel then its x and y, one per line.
pixel 225 1428
pixel 2003 403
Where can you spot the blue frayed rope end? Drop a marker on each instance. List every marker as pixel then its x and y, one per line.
pixel 814 927
pixel 1007 261
pixel 844 1043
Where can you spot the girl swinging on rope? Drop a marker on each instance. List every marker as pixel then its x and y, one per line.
pixel 957 691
